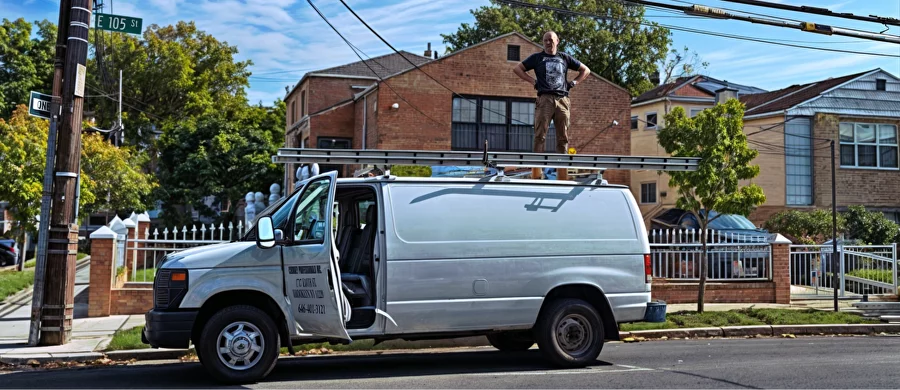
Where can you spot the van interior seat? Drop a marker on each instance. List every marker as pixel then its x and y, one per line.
pixel 355 273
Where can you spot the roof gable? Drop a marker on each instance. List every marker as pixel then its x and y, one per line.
pixel 384 65
pixel 492 40
pixel 786 98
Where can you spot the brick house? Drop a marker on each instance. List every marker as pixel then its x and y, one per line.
pixel 693 94
pixel 399 107
pixel 790 128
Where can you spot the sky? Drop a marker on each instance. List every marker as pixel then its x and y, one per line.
pixel 286 38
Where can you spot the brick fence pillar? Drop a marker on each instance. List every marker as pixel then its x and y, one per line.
pixel 103 265
pixel 781 268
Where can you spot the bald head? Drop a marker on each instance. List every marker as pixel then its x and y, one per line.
pixel 550 40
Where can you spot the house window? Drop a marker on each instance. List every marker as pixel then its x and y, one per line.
pixel 651 120
pixel 798 162
pixel 881 85
pixel 648 192
pixel 868 145
pixel 696 111
pixel 333 143
pixel 291 113
pixel 513 53
pixel 634 123
pixel 302 104
pixel 506 123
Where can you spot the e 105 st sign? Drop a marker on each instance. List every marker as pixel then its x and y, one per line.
pixel 119 23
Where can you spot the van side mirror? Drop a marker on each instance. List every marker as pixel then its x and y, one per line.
pixel 265 233
pixel 279 235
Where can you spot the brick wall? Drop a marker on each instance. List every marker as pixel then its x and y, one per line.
pixel 868 187
pixel 484 70
pixel 690 90
pixel 759 292
pixel 778 290
pixel 130 300
pixel 102 266
pixel 338 123
pixel 325 92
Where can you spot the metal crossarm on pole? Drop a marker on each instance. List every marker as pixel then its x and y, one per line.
pixel 473 158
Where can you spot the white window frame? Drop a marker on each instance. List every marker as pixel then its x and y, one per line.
pixel 877 144
pixel 655 193
pixel 691 111
pixel 647 121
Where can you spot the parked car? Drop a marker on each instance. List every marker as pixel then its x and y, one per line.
pixel 741 258
pixel 518 261
pixel 9 252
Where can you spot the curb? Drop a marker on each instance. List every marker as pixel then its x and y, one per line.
pixel 147 354
pixel 766 330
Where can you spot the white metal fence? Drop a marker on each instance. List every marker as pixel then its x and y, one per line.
pixel 676 254
pixel 147 253
pixel 861 269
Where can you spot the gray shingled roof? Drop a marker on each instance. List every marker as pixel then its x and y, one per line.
pixel 385 65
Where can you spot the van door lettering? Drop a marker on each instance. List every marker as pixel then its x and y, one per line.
pixel 311 309
pixel 306 283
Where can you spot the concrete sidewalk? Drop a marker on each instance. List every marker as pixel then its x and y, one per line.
pixel 88 334
pixel 818 304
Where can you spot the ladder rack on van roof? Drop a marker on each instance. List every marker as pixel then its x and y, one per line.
pixel 486 159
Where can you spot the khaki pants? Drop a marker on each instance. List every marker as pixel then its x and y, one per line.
pixel 551 107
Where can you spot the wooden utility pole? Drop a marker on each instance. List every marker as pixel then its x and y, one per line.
pixel 58 289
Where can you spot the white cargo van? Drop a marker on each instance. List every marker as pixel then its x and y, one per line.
pixel 555 263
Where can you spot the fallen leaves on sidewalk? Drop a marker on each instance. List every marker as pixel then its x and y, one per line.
pixel 34 364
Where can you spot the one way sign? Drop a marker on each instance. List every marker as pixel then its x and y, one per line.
pixel 39 105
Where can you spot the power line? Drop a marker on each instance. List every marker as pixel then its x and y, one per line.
pixel 719 13
pixel 819 11
pixel 455 94
pixel 690 30
pixel 370 68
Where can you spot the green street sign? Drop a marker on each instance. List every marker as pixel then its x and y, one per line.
pixel 39 105
pixel 119 23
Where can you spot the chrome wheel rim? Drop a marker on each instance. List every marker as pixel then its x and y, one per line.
pixel 240 346
pixel 574 334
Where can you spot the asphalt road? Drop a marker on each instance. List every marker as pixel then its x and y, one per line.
pixel 822 362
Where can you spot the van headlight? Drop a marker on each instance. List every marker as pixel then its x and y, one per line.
pixel 169 288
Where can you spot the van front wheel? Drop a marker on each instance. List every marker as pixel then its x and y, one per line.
pixel 239 344
pixel 570 333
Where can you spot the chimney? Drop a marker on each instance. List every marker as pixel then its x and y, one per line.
pixel 654 78
pixel 428 53
pixel 435 54
pixel 724 94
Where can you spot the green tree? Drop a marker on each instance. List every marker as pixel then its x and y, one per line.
pixel 717 137
pixel 221 157
pixel 26 63
pixel 804 227
pixel 617 47
pixel 870 226
pixel 173 74
pixel 110 177
pixel 114 177
pixel 682 64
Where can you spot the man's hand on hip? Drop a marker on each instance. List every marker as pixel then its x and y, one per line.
pixel 572 84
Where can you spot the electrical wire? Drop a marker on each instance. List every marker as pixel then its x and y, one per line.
pixel 455 94
pixel 370 68
pixel 691 30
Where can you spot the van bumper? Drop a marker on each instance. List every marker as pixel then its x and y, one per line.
pixel 168 329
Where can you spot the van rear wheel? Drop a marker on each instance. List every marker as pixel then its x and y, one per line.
pixel 570 333
pixel 239 344
pixel 511 341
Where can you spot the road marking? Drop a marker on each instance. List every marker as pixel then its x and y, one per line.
pixel 589 370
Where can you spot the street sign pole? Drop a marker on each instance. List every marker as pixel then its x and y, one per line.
pixel 40 268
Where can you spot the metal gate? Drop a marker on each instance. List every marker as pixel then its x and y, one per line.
pixel 861 270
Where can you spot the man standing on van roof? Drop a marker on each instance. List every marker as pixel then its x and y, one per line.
pixel 550 68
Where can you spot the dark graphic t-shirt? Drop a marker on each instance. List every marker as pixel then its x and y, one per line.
pixel 550 71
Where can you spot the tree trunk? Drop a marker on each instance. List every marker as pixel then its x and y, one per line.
pixel 702 289
pixel 24 250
